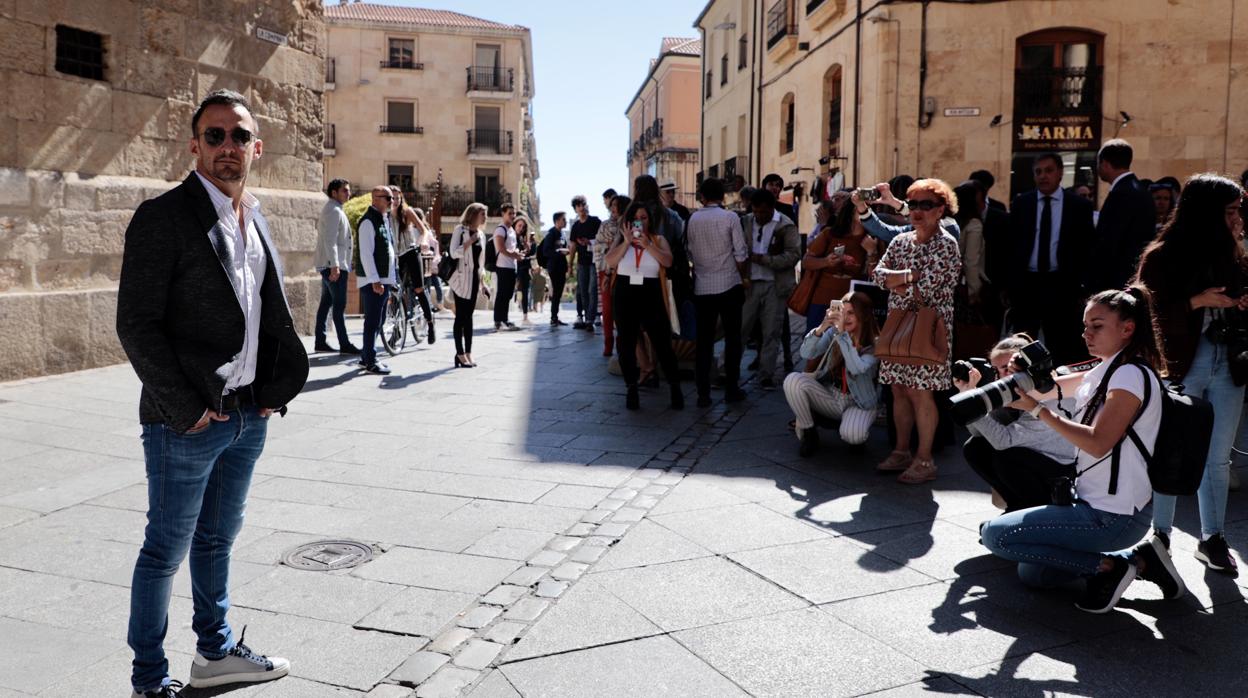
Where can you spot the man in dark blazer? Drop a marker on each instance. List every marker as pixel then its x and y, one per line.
pixel 555 254
pixel 1052 233
pixel 203 317
pixel 986 180
pixel 1127 222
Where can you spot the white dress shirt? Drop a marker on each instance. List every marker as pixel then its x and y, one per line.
pixel 760 245
pixel 1055 228
pixel 247 266
pixel 368 244
pixel 716 245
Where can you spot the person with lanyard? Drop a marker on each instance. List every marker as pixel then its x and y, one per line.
pixel 1108 506
pixel 641 299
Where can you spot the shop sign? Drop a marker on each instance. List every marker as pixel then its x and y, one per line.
pixel 1057 133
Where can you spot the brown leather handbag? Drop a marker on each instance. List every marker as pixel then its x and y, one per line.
pixel 804 293
pixel 914 337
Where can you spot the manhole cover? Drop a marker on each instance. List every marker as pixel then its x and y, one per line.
pixel 326 555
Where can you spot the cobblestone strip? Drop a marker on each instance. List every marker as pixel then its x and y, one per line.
pixel 462 655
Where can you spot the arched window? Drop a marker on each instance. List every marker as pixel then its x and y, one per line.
pixel 1057 103
pixel 788 117
pixel 832 110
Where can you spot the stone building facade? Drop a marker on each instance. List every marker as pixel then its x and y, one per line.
pixel 944 88
pixel 413 92
pixel 664 118
pixel 96 118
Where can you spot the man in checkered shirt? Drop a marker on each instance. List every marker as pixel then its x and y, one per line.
pixel 719 256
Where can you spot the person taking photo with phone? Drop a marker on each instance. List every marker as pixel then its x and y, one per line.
pixel 642 300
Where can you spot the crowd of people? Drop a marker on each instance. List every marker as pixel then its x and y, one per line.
pixel 897 283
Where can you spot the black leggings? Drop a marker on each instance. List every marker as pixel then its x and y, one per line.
pixel 1023 477
pixel 462 330
pixel 524 283
pixel 637 308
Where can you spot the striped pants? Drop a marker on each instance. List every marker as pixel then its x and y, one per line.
pixel 807 396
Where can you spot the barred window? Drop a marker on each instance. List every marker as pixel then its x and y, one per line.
pixel 79 52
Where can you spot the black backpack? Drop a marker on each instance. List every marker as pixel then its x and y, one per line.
pixel 1177 462
pixel 542 258
pixel 491 252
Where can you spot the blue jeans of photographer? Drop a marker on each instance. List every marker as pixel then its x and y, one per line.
pixel 1210 378
pixel 196 487
pixel 1057 544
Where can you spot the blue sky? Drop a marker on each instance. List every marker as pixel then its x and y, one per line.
pixel 589 58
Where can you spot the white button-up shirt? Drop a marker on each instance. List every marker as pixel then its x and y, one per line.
pixel 246 269
pixel 759 245
pixel 1055 229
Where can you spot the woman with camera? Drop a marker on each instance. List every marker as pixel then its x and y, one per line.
pixel 1106 508
pixel 641 298
pixel 1197 272
pixel 836 254
pixel 466 248
pixel 843 384
pixel 1011 450
pixel 920 268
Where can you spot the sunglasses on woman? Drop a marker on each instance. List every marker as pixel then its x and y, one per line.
pixel 215 136
pixel 923 204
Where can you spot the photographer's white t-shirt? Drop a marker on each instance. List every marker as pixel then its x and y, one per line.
pixel 1134 488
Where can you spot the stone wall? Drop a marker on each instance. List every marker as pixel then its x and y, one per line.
pixel 77 156
pixel 61 238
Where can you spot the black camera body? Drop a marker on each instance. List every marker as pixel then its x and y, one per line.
pixel 961 370
pixel 1034 364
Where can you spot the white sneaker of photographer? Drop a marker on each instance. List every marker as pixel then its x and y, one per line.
pixel 239 665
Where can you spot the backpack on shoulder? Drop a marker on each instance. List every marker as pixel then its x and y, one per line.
pixel 491 253
pixel 1176 464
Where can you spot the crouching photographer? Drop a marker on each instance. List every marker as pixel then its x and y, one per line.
pixel 1106 508
pixel 1012 451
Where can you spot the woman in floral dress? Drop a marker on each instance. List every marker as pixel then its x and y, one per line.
pixel 928 261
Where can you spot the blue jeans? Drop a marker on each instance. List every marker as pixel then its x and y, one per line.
pixel 1209 378
pixel 435 282
pixel 374 308
pixel 587 291
pixel 333 295
pixel 196 488
pixel 1055 544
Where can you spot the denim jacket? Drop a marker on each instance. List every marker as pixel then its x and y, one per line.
pixel 886 232
pixel 861 368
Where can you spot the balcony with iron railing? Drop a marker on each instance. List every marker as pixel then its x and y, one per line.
pixel 1058 91
pixel 820 12
pixel 485 141
pixel 401 128
pixel 781 28
pixel 491 80
pixel 401 64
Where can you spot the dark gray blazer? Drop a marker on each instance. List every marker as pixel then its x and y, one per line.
pixel 179 319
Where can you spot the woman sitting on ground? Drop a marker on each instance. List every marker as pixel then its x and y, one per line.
pixel 1093 536
pixel 843 385
pixel 1011 450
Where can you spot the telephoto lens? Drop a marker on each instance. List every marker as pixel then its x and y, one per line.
pixel 973 404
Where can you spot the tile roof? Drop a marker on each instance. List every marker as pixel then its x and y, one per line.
pixel 376 12
pixel 682 45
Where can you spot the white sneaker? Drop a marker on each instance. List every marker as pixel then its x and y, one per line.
pixel 240 665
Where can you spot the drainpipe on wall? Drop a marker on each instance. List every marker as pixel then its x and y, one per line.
pixel 857 87
pixel 756 146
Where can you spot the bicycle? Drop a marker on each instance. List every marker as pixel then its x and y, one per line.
pixel 401 318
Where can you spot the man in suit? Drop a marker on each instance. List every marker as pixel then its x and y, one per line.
pixel 202 315
pixel 555 253
pixel 1127 221
pixel 1052 233
pixel 772 240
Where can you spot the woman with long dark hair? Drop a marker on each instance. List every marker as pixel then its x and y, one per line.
pixel 641 298
pixel 1109 507
pixel 1197 272
pixel 843 384
pixel 835 253
pixel 466 248
pixel 412 267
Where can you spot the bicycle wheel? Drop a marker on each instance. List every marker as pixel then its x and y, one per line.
pixel 419 326
pixel 394 324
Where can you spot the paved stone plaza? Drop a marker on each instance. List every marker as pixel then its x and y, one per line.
pixel 534 539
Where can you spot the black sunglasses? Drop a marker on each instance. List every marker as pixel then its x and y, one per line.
pixel 215 135
pixel 387 197
pixel 923 204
